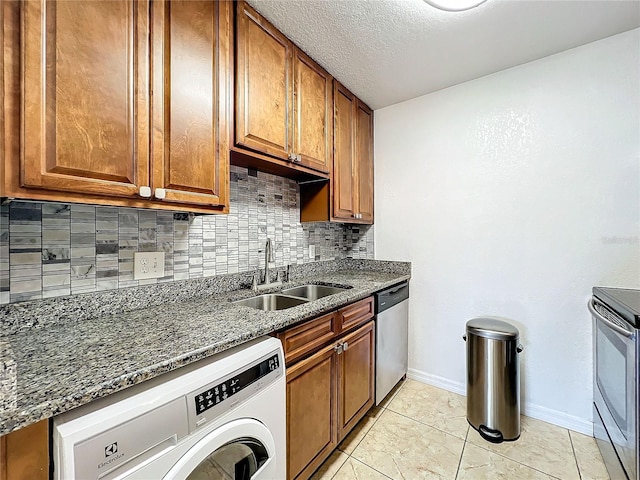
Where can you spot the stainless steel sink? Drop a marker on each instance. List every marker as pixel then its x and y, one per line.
pixel 312 292
pixel 270 302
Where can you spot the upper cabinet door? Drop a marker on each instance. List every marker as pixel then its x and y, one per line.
pixel 364 161
pixel 263 85
pixel 313 127
pixel 85 73
pixel 343 166
pixel 190 88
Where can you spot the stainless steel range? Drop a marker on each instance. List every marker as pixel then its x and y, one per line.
pixel 616 321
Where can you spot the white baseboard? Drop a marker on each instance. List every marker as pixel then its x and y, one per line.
pixel 555 417
pixel 436 381
pixel 577 424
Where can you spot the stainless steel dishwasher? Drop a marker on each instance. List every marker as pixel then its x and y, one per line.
pixel 392 338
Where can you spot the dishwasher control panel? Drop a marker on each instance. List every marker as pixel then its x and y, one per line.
pixel 391 296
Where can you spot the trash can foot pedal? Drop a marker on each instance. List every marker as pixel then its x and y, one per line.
pixel 490 435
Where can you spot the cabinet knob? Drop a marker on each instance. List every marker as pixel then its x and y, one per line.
pixel 338 348
pixel 145 192
pixel 160 193
pixel 292 157
pixel 298 158
pixel 345 346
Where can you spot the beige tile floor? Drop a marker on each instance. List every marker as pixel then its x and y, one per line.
pixel 421 432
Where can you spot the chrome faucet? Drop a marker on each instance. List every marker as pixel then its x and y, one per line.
pixel 268 257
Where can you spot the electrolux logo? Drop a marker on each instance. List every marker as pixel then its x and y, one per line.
pixel 111 454
pixel 111 449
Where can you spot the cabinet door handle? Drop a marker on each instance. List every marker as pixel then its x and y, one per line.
pixel 292 157
pixel 298 158
pixel 145 192
pixel 345 346
pixel 160 193
pixel 338 348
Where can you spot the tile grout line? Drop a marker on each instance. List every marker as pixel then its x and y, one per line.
pixel 349 455
pixel 513 460
pixel 464 445
pixel 366 465
pixel 575 457
pixel 430 426
pixel 365 434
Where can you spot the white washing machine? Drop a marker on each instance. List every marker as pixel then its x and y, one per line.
pixel 219 418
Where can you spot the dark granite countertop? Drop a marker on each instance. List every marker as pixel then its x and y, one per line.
pixel 49 370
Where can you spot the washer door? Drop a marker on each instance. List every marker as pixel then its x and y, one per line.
pixel 240 450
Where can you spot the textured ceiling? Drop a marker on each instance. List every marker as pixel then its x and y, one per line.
pixel 387 51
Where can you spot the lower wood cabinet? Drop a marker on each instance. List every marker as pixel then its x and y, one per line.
pixel 327 394
pixel 24 454
pixel 311 407
pixel 356 374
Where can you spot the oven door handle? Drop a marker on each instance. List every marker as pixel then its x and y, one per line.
pixel 608 323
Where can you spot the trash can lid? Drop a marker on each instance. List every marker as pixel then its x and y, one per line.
pixel 492 328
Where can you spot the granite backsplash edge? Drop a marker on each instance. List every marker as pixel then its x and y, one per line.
pixel 22 316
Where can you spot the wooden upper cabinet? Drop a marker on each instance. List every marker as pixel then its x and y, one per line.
pixel 313 125
pixel 85 67
pixel 352 179
pixel 190 83
pixel 283 99
pixel 364 161
pixel 264 105
pixel 122 102
pixel 343 163
pixel 348 197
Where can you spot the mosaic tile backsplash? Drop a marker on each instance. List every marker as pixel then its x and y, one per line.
pixel 53 249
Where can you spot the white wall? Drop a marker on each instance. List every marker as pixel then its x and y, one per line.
pixel 513 195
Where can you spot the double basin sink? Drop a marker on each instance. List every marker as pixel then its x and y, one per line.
pixel 289 297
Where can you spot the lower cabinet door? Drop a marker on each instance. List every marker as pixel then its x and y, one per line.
pixel 24 454
pixel 311 409
pixel 356 375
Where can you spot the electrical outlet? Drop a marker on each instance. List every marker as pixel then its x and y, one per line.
pixel 312 252
pixel 148 265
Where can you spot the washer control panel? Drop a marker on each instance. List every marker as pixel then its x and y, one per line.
pixel 225 393
pixel 219 393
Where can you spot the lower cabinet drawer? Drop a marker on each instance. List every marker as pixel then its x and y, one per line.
pixel 303 339
pixel 355 314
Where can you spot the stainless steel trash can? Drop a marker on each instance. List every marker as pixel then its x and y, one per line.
pixel 493 379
